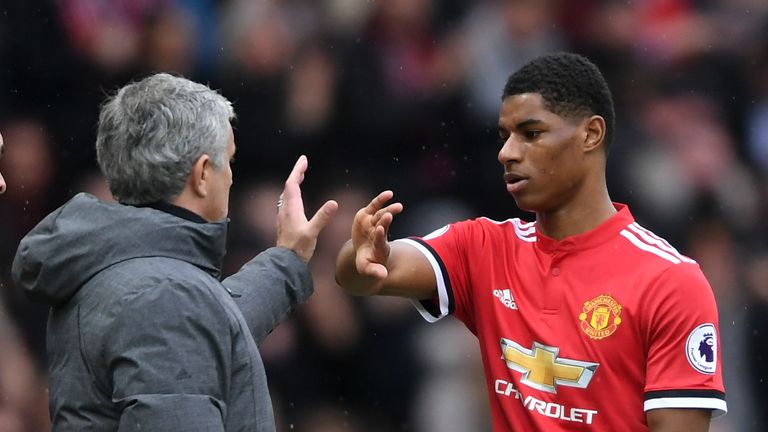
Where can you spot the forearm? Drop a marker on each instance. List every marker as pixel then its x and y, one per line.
pixel 349 278
pixel 407 274
pixel 268 288
pixel 678 419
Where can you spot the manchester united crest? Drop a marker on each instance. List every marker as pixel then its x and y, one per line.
pixel 600 316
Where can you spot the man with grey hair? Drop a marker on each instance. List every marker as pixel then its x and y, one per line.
pixel 142 334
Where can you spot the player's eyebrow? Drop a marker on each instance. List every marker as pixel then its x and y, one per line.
pixel 527 122
pixel 521 125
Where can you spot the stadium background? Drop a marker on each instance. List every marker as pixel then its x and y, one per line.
pixel 399 94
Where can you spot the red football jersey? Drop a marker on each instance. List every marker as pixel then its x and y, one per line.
pixel 583 334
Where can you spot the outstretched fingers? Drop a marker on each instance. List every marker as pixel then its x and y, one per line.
pixel 299 168
pixel 292 192
pixel 381 231
pixel 371 261
pixel 379 201
pixel 392 210
pixel 294 231
pixel 323 216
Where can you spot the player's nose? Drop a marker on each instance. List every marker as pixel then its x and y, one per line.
pixel 511 151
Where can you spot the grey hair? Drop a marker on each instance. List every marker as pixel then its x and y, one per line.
pixel 152 131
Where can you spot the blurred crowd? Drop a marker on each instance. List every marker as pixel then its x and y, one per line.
pixel 400 94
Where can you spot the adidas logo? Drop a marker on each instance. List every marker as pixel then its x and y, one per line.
pixel 505 296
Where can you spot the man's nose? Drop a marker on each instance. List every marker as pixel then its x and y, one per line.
pixel 511 151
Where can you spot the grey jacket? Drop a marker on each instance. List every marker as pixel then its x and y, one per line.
pixel 142 335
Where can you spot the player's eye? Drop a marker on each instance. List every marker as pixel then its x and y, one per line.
pixel 531 134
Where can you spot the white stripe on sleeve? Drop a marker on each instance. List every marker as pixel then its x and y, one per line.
pixel 442 291
pixel 718 406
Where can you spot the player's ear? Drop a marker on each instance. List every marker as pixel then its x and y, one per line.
pixel 594 133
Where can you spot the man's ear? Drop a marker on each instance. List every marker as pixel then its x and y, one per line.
pixel 199 177
pixel 594 133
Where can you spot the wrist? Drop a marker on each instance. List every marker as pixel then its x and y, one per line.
pixel 301 256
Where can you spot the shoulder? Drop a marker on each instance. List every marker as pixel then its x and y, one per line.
pixel 645 247
pixel 675 290
pixel 514 227
pixel 486 228
pixel 684 285
pixel 666 272
pixel 138 274
pixel 152 290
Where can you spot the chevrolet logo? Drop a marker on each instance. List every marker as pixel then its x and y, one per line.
pixel 543 370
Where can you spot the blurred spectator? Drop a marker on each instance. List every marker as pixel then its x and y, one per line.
pixel 107 32
pixel 258 46
pixel 692 157
pixel 30 168
pixel 31 163
pixel 403 95
pixel 258 38
pixel 755 333
pixel 168 42
pixel 311 90
pixel 205 42
pixel 453 397
pixel 757 122
pixel 23 399
pixel 257 216
pixel 501 37
pixel 714 246
pixel 95 184
pixel 23 395
pixel 346 18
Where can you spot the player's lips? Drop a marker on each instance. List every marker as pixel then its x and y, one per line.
pixel 515 182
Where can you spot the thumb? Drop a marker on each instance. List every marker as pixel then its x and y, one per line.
pixel 323 216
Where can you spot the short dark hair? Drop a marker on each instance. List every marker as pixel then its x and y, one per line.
pixel 570 85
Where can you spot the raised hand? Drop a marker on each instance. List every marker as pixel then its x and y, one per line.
pixel 294 231
pixel 369 235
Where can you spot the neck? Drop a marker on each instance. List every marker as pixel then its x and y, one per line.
pixel 189 201
pixel 175 210
pixel 576 217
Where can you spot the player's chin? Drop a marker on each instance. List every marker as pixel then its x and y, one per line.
pixel 526 202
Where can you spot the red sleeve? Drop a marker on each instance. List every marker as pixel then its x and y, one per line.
pixel 683 367
pixel 446 250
